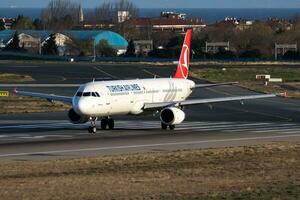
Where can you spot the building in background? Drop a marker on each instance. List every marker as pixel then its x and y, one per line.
pixel 32 40
pixel 233 22
pixel 143 47
pixel 123 16
pixel 279 25
pixel 8 22
pixel 166 24
pixel 93 25
pixel 173 15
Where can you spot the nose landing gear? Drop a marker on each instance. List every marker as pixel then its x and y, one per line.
pixel 105 123
pixel 93 128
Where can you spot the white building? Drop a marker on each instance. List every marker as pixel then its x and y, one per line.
pixel 123 16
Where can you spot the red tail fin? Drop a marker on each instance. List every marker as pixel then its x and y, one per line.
pixel 184 60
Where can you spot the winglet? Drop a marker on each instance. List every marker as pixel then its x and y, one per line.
pixel 182 70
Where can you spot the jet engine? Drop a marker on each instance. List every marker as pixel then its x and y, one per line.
pixel 75 118
pixel 172 116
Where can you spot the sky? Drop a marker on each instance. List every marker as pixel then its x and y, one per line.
pixel 168 3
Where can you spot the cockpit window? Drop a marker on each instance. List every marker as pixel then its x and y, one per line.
pixel 86 94
pixel 79 94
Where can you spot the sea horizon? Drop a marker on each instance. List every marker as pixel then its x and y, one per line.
pixel 209 15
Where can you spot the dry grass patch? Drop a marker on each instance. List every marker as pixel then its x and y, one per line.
pixel 258 172
pixel 14 78
pixel 16 104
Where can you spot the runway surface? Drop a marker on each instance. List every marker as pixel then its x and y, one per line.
pixel 60 139
pixel 51 136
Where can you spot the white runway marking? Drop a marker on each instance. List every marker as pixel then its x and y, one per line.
pixel 106 73
pixel 149 145
pixel 80 130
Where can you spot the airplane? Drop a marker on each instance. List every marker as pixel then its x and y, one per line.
pixel 168 96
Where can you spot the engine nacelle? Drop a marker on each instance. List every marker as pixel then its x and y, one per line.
pixel 75 118
pixel 172 116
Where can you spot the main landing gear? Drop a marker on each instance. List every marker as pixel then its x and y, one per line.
pixel 105 123
pixel 165 126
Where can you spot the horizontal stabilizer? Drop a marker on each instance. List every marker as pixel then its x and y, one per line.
pixel 214 84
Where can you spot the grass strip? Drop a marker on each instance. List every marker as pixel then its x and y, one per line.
pixel 246 77
pixel 268 171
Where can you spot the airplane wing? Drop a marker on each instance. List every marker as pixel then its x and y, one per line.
pixel 33 85
pixel 48 97
pixel 213 85
pixel 204 101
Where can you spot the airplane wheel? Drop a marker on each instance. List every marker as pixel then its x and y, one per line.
pixel 104 123
pixel 111 124
pixel 92 129
pixel 172 127
pixel 164 126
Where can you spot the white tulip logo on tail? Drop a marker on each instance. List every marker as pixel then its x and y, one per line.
pixel 183 65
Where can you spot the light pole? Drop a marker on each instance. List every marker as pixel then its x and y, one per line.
pixel 94 46
pixel 40 46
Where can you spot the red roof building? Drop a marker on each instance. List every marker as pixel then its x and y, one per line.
pixel 161 24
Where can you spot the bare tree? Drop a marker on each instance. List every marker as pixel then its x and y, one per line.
pixel 105 12
pixel 60 14
pixel 108 11
pixel 259 36
pixel 125 5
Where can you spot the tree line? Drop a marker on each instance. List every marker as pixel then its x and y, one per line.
pixel 255 42
pixel 60 15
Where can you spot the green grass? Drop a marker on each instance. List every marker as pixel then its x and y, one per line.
pixel 246 77
pixel 248 74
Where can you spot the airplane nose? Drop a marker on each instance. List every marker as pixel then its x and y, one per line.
pixel 83 107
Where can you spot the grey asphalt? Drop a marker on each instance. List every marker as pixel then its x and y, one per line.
pixel 50 136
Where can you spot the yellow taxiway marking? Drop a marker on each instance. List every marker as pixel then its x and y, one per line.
pixel 4 93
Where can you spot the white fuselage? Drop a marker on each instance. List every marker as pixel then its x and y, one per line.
pixel 108 98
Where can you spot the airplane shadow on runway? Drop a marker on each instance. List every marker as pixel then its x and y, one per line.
pixel 69 130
